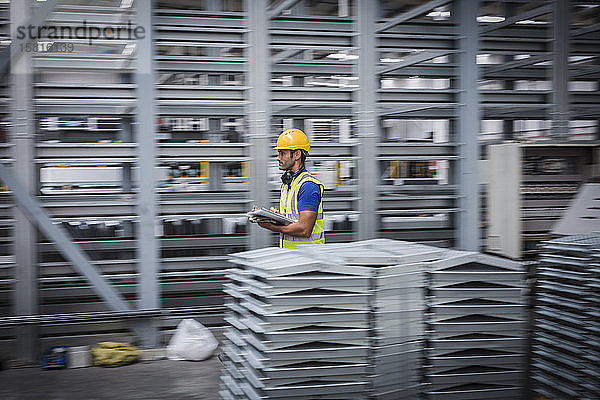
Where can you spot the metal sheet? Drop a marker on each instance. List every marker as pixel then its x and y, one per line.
pixel 310 351
pixel 313 333
pixel 450 344
pixel 447 380
pixel 470 293
pixel 498 393
pixel 513 360
pixel 502 310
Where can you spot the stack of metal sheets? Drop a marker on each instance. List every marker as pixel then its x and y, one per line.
pixel 477 328
pixel 566 350
pixel 339 321
pixel 351 321
pixel 398 307
pixel 299 328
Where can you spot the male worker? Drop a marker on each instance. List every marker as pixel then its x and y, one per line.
pixel 301 193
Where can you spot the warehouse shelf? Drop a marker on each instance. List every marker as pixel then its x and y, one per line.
pixel 170 265
pixel 204 92
pixel 78 151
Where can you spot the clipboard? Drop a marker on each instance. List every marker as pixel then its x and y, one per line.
pixel 274 218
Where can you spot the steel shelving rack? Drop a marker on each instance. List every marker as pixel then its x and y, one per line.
pixel 203 96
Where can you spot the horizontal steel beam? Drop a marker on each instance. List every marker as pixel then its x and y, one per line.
pixel 414 149
pixel 416 59
pixel 516 64
pixel 182 265
pixel 223 241
pixel 97 153
pixel 416 107
pixel 332 150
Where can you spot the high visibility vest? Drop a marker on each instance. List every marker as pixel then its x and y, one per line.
pixel 288 205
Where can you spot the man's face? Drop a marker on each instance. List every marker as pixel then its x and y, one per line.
pixel 285 159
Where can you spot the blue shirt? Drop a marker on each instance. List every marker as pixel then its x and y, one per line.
pixel 309 196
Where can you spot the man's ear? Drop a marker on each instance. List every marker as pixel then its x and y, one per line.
pixel 297 153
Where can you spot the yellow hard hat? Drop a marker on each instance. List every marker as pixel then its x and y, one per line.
pixel 293 139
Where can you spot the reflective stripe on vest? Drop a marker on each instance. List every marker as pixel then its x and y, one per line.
pixel 288 205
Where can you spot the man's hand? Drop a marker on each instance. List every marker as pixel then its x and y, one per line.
pixel 266 225
pixel 257 220
pixel 274 210
pixel 302 228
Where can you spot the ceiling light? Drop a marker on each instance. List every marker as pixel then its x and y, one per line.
pixel 437 14
pixel 530 22
pixel 342 56
pixel 490 18
pixel 391 60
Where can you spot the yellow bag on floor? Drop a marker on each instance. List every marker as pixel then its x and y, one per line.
pixel 113 354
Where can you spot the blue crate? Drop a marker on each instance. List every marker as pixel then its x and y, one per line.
pixel 56 357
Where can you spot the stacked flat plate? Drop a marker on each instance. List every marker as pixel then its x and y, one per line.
pixel 477 328
pixel 399 319
pixel 397 305
pixel 299 328
pixel 340 321
pixel 566 355
pixel 350 321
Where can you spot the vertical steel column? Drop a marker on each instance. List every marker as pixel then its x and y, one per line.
pixel 467 171
pixel 560 69
pixel 366 112
pixel 148 246
pixel 508 129
pixel 23 139
pixel 258 112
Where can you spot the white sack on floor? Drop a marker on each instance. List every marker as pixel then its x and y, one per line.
pixel 191 341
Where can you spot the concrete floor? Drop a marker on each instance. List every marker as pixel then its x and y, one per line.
pixel 159 379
